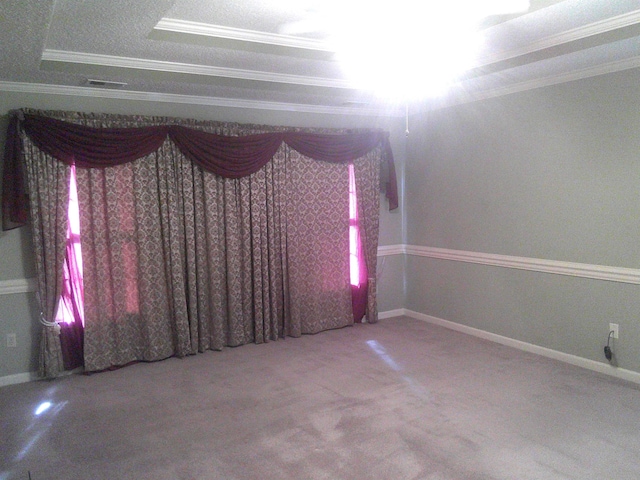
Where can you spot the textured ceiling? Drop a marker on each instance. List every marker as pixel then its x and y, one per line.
pixel 234 53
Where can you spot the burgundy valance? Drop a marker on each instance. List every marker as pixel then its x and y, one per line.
pixel 90 147
pixel 227 156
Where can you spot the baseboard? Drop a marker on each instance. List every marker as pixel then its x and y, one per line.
pixel 391 313
pixel 18 378
pixel 599 367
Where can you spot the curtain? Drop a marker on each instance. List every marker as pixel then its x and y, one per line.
pixel 227 156
pixel 135 302
pixel 367 173
pixel 192 241
pixel 70 314
pixel 48 184
pixel 14 196
pixel 235 249
pixel 359 286
pixel 318 245
pixel 71 301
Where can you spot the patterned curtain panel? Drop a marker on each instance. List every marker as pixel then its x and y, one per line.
pixel 234 247
pixel 318 245
pixel 48 186
pixel 178 260
pixel 134 294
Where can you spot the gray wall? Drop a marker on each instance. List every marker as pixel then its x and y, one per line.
pixel 18 311
pixel 552 173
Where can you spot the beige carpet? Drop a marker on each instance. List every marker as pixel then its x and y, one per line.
pixel 398 400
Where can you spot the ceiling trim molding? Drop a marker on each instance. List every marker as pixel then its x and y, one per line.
pixel 556 79
pixel 252 36
pixel 596 28
pixel 94 59
pixel 200 29
pixel 46 89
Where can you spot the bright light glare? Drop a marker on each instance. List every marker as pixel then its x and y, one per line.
pixel 382 353
pixel 405 49
pixel 417 389
pixel 405 62
pixel 43 407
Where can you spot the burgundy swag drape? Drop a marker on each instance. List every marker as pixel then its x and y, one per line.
pixel 229 157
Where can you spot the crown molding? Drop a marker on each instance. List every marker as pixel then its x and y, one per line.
pixel 595 272
pixel 601 69
pixel 579 74
pixel 580 33
pixel 556 79
pixel 185 27
pixel 46 89
pixel 200 29
pixel 95 59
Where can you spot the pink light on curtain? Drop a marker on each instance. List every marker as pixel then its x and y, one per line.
pixel 71 305
pixel 354 231
pixel 357 263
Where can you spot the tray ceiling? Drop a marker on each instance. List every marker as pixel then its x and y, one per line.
pixel 253 53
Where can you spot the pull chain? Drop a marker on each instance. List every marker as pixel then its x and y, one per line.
pixel 406 132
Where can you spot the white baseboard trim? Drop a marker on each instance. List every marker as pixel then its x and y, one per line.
pixel 391 313
pixel 18 378
pixel 599 367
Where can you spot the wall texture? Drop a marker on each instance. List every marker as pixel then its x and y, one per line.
pixel 18 306
pixel 550 174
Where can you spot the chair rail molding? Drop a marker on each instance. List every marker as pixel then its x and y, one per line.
pixel 19 285
pixel 387 250
pixel 556 267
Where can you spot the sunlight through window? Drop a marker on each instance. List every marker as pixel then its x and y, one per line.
pixel 354 231
pixel 43 407
pixel 71 305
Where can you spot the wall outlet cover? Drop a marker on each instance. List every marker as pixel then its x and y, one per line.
pixel 615 328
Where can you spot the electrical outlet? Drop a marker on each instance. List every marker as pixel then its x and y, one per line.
pixel 613 327
pixel 11 340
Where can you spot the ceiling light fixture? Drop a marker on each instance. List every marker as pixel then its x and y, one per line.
pixel 402 50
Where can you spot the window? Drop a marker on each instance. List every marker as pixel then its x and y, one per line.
pixel 70 305
pixel 357 264
pixel 354 231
